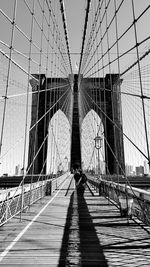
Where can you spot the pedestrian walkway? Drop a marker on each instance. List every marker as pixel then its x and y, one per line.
pixel 67 230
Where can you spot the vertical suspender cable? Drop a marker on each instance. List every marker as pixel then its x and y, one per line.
pixel 38 100
pixel 55 107
pixel 84 35
pixel 141 85
pixel 27 106
pixel 8 72
pixel 104 88
pixel 110 75
pixel 65 31
pixel 117 40
pixel 51 93
pixel 46 120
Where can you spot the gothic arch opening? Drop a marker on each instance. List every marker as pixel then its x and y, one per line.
pixel 92 159
pixel 59 142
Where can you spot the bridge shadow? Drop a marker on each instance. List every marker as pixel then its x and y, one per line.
pixel 80 244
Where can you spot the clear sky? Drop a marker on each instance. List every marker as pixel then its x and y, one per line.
pixel 75 15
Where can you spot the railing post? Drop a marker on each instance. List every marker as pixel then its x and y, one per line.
pixel 49 188
pixel 100 188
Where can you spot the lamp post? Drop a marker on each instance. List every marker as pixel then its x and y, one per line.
pixel 98 144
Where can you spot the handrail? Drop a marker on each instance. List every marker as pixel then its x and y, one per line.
pixel 114 191
pixel 11 199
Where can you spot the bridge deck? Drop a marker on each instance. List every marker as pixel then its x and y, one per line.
pixel 64 230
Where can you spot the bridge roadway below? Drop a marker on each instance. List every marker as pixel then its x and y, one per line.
pixel 65 230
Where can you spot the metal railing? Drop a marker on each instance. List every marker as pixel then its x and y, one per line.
pixel 15 200
pixel 137 201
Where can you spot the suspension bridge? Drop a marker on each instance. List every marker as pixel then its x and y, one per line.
pixel 74 93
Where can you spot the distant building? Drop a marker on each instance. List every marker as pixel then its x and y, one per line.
pixel 17 170
pixel 5 174
pixel 146 167
pixel 22 171
pixel 139 170
pixel 129 170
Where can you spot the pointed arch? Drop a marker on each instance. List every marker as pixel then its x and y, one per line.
pixel 59 143
pixel 92 125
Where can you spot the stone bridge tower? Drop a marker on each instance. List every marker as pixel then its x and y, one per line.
pixel 105 94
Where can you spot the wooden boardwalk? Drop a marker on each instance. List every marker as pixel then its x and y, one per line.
pixel 65 230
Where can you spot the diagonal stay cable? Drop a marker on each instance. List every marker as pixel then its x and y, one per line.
pixel 84 33
pixel 65 30
pixel 49 109
pixel 117 127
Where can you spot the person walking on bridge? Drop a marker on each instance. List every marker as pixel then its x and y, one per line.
pixel 80 181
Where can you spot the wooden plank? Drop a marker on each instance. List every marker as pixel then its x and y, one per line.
pixel 76 231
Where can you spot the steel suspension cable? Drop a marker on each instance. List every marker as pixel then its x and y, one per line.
pixel 141 85
pixel 84 33
pixel 62 8
pixel 8 73
pixel 119 38
pixel 118 127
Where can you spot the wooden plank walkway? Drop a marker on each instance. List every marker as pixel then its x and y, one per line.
pixel 65 230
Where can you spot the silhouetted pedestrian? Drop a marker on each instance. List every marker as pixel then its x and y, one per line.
pixel 80 180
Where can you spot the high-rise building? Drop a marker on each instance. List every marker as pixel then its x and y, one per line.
pixel 146 167
pixel 129 170
pixel 17 170
pixel 139 170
